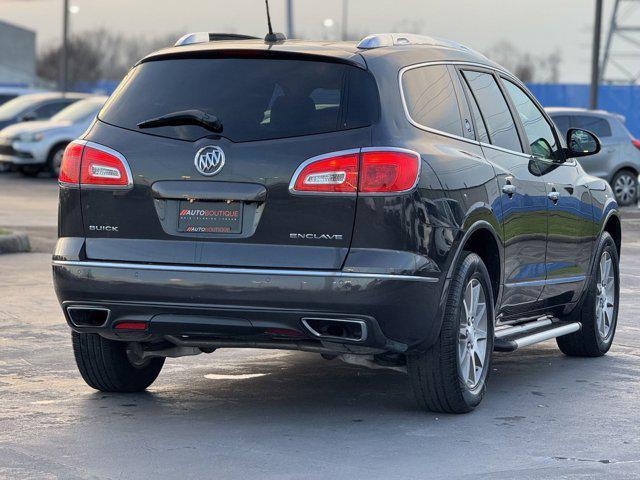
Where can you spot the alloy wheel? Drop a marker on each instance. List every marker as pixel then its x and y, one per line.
pixel 472 337
pixel 605 297
pixel 625 189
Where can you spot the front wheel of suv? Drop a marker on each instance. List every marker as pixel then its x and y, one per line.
pixel 451 376
pixel 105 365
pixel 598 313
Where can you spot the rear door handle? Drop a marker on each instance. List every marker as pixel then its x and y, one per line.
pixel 509 189
pixel 554 196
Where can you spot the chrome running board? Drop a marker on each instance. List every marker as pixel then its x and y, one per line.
pixel 522 327
pixel 511 338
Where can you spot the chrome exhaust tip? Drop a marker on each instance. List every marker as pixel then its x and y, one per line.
pixel 82 316
pixel 336 329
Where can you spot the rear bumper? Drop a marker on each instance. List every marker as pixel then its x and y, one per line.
pixel 399 311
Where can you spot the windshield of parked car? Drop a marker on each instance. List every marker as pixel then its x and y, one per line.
pixel 254 99
pixel 79 111
pixel 16 106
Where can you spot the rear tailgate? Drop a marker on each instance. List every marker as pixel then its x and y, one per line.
pixel 276 114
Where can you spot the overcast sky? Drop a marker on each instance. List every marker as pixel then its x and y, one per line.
pixel 536 26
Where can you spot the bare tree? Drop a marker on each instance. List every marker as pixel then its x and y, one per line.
pixel 527 67
pixel 100 55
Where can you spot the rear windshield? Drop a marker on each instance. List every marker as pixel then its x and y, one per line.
pixel 255 99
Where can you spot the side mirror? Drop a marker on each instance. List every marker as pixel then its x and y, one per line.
pixel 581 143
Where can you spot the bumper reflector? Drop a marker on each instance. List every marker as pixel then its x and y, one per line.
pixel 131 326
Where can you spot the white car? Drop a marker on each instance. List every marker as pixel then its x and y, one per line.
pixel 38 146
pixel 9 93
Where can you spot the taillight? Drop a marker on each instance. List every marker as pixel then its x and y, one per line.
pixel 636 143
pixel 388 171
pixel 369 170
pixel 70 166
pixel 92 165
pixel 335 173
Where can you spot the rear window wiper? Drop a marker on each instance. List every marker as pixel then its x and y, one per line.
pixel 185 117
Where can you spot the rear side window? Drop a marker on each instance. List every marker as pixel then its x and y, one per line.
pixel 598 125
pixel 431 99
pixel 481 128
pixel 255 99
pixel 495 111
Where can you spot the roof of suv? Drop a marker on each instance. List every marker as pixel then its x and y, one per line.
pixel 410 48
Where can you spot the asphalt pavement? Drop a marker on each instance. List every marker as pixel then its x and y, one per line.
pixel 245 414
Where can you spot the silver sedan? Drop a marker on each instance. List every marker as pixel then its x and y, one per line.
pixel 35 146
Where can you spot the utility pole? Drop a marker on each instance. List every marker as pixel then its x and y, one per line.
pixel 64 57
pixel 290 30
pixel 345 19
pixel 621 56
pixel 595 57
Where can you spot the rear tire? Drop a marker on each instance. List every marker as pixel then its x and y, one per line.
pixel 598 324
pixel 443 378
pixel 625 187
pixel 105 365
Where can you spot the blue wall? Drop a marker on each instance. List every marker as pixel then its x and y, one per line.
pixel 622 99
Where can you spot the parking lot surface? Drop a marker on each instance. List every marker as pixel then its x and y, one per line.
pixel 243 414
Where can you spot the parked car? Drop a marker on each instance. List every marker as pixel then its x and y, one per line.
pixel 402 202
pixel 35 106
pixel 9 93
pixel 36 146
pixel 619 160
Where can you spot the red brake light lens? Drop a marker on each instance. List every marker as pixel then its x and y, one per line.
pixel 102 168
pixel 384 170
pixel 91 164
pixel 337 174
pixel 70 166
pixel 636 143
pixel 390 171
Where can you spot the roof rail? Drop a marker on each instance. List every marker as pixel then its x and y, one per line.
pixel 379 40
pixel 204 37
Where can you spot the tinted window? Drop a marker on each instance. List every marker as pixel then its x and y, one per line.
pixel 431 99
pixel 16 106
pixel 51 108
pixel 481 129
pixel 598 125
pixel 538 131
pixel 5 98
pixel 563 122
pixel 255 99
pixel 82 110
pixel 502 129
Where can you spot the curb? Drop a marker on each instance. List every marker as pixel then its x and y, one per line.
pixel 14 243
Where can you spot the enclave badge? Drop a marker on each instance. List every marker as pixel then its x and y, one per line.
pixel 315 236
pixel 209 160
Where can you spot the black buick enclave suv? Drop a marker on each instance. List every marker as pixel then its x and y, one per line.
pixel 399 202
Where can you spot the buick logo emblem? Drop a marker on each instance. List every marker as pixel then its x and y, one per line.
pixel 209 160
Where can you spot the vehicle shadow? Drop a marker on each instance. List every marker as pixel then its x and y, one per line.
pixel 287 385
